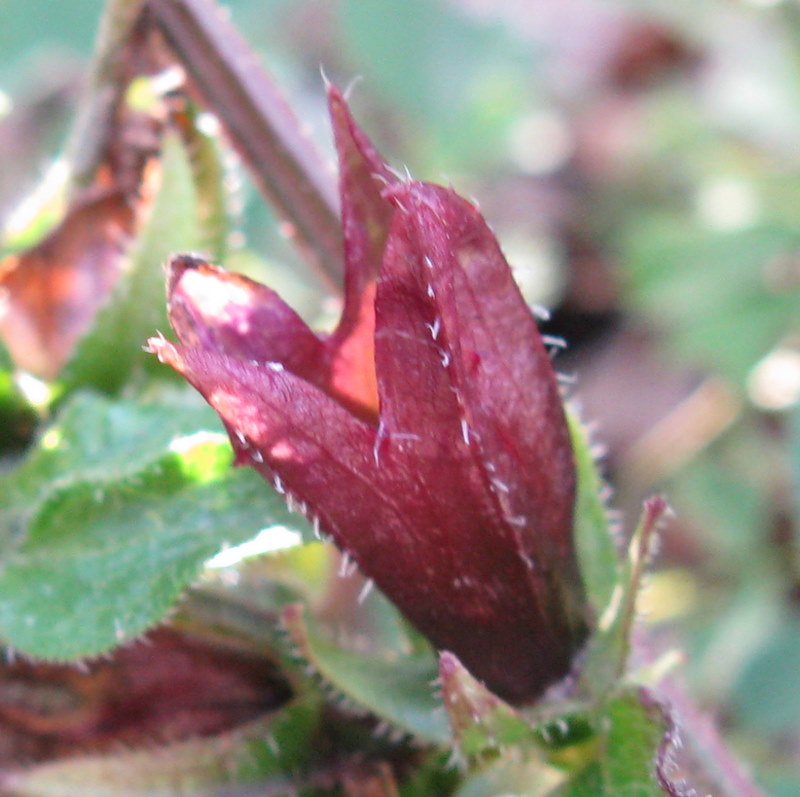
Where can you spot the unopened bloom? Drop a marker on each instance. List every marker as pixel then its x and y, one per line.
pixel 425 435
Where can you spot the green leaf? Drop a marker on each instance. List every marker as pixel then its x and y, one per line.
pixel 94 440
pixel 266 754
pixel 105 561
pixel 607 652
pixel 597 554
pixel 398 689
pixel 480 720
pixel 106 357
pixel 112 515
pixel 633 729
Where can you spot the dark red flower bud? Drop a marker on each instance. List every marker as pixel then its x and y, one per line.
pixel 426 435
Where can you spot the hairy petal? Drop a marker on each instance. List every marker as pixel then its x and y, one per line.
pixel 426 435
pixel 508 393
pixel 422 529
pixel 479 600
pixel 283 426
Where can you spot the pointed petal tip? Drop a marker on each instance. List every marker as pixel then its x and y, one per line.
pixel 656 509
pixel 448 665
pixel 338 109
pixel 339 98
pixel 179 264
pixel 355 149
pixel 334 94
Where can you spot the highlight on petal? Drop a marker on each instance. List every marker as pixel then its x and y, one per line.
pixel 210 308
pixel 299 438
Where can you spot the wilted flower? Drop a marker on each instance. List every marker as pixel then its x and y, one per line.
pixel 425 435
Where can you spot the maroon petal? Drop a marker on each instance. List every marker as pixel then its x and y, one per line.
pixel 212 309
pixel 310 447
pixel 366 217
pixel 507 391
pixel 285 426
pixel 437 550
pixel 478 595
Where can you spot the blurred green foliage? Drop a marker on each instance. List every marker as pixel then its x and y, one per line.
pixel 29 31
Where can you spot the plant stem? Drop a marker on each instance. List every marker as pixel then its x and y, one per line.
pixel 288 170
pixel 104 86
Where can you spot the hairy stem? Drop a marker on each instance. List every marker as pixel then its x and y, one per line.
pixel 705 752
pixel 104 87
pixel 288 170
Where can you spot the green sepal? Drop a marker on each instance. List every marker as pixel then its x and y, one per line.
pixel 597 554
pixel 398 689
pixel 629 750
pixel 607 653
pixel 481 722
pixel 111 353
